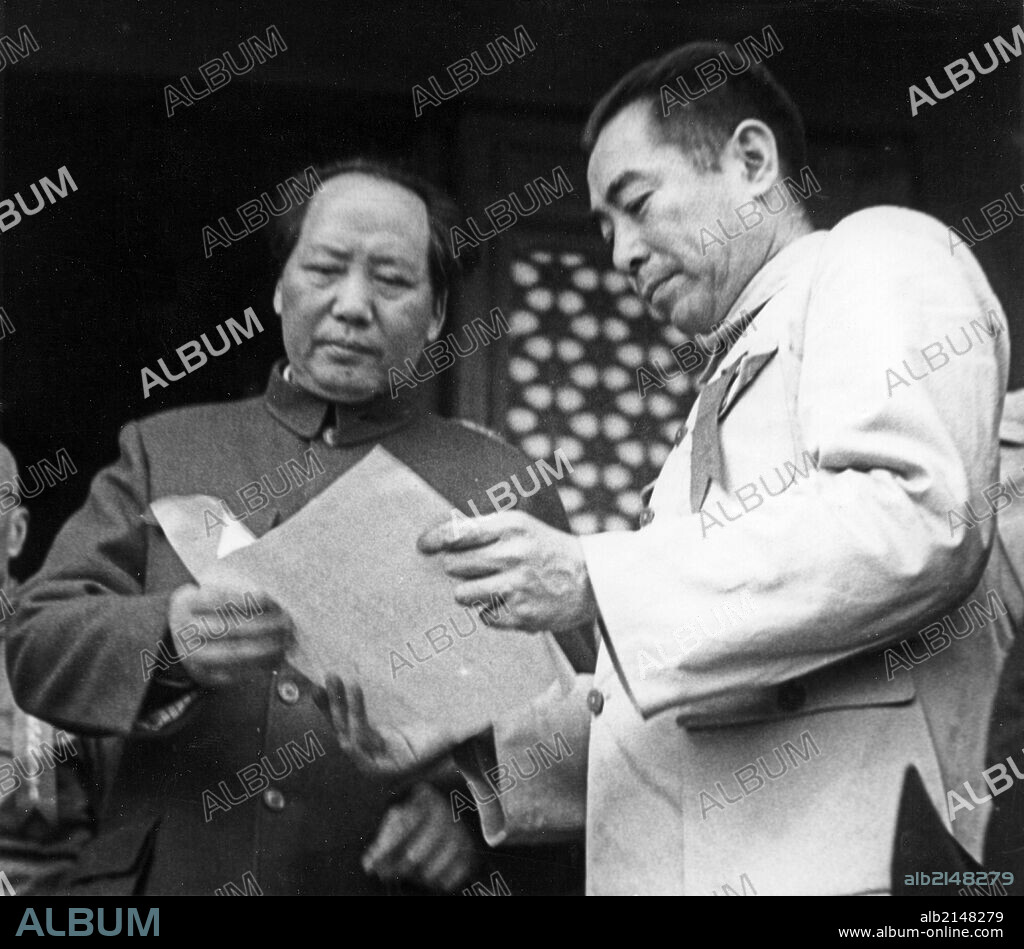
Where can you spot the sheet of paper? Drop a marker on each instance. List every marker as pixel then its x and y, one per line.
pixel 367 604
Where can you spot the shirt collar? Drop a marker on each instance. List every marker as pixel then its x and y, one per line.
pixel 307 415
pixel 768 281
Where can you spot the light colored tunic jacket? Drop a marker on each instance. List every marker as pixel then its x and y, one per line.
pixel 772 664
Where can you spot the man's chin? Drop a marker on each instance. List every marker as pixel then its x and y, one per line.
pixel 690 317
pixel 684 319
pixel 346 388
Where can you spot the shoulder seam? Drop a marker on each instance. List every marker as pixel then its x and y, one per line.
pixel 481 430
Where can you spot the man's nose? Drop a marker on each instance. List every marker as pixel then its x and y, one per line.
pixel 628 251
pixel 353 299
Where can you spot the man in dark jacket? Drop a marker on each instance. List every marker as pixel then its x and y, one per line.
pixel 362 291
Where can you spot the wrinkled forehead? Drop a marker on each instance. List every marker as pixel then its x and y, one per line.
pixel 8 469
pixel 360 209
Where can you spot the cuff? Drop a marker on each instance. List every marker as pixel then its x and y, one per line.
pixel 528 774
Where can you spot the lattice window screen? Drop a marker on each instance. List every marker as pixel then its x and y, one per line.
pixel 578 335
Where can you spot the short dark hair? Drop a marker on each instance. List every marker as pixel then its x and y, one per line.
pixel 442 215
pixel 702 126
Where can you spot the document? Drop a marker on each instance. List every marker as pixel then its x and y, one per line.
pixel 366 603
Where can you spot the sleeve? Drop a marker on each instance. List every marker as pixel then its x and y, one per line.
pixel 861 551
pixel 528 774
pixel 579 645
pixel 84 622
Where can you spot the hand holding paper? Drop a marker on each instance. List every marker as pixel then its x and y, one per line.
pixel 231 652
pixel 386 750
pixel 538 571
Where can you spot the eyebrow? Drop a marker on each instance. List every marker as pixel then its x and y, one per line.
pixel 620 184
pixel 330 251
pixel 615 189
pixel 376 258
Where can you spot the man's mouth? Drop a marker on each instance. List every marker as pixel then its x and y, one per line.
pixel 652 289
pixel 347 347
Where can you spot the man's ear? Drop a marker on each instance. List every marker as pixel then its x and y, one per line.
pixel 438 317
pixel 753 145
pixel 17 531
pixel 278 297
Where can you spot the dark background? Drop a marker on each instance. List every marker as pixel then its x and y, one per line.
pixel 113 277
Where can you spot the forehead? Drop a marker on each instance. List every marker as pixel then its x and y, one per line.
pixel 630 146
pixel 361 208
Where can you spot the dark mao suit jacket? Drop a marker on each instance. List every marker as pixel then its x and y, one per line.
pixel 101 599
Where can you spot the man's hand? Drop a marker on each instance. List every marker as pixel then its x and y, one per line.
pixel 382 751
pixel 539 572
pixel 215 656
pixel 419 841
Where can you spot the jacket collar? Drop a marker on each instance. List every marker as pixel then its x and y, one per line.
pixel 767 282
pixel 307 415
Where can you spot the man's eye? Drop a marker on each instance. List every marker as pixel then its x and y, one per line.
pixel 321 269
pixel 393 280
pixel 637 205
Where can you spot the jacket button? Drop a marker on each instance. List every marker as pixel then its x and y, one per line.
pixel 331 437
pixel 273 799
pixel 595 701
pixel 680 435
pixel 792 696
pixel 288 692
pixel 646 516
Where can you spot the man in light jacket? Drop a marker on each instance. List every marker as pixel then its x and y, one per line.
pixel 813 608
